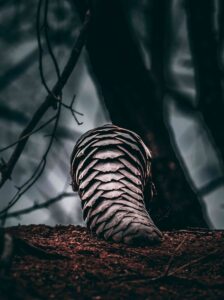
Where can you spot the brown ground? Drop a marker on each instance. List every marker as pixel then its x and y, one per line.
pixel 187 265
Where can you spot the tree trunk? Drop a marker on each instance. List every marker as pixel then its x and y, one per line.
pixel 134 98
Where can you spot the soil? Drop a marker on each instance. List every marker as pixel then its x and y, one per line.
pixel 68 262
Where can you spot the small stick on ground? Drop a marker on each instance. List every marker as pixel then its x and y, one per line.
pixel 170 262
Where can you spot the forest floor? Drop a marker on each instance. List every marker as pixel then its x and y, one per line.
pixel 67 262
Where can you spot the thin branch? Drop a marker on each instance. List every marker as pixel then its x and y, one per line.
pixel 165 277
pixel 36 206
pixel 170 262
pixel 31 133
pixel 74 112
pixel 192 262
pixel 195 230
pixel 46 26
pixel 54 104
pixel 69 107
pixel 7 169
pixel 36 174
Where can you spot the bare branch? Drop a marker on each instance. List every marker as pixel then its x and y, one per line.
pixel 7 169
pixel 54 104
pixel 36 174
pixel 192 262
pixel 170 262
pixel 46 26
pixel 73 111
pixel 69 107
pixel 32 132
pixel 36 206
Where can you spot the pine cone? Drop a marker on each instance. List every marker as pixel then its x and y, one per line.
pixel 110 167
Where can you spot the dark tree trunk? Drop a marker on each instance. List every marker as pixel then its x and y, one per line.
pixel 134 97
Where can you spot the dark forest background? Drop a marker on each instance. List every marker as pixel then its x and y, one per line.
pixel 137 64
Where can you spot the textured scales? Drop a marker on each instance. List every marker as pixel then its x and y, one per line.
pixel 110 168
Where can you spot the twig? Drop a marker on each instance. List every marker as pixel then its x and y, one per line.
pixel 167 276
pixel 36 174
pixel 36 206
pixel 7 169
pixel 27 135
pixel 166 279
pixel 72 109
pixel 74 112
pixel 53 96
pixel 170 262
pixel 192 262
pixel 172 275
pixel 48 40
pixel 195 230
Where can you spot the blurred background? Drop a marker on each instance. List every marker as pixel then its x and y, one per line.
pixel 22 92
